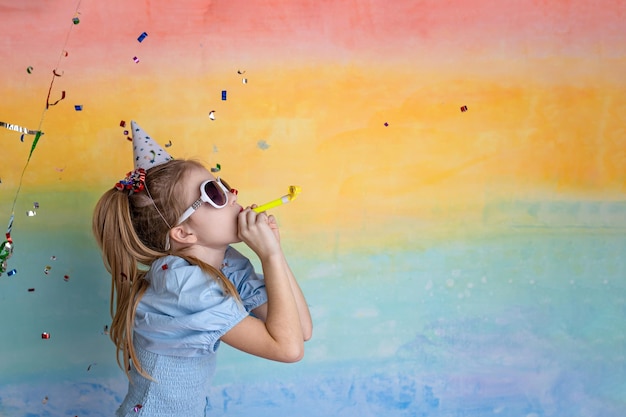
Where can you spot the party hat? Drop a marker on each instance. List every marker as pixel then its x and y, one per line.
pixel 146 151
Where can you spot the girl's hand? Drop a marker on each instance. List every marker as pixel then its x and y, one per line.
pixel 255 230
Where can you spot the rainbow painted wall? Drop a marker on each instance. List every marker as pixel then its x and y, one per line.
pixel 461 234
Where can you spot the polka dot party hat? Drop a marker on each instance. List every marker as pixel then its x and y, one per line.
pixel 146 152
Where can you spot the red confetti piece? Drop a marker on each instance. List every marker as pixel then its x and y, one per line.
pixel 164 267
pixel 463 108
pixel 45 335
pixel 66 278
pixel 137 408
pixel 122 123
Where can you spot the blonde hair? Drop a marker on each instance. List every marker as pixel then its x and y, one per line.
pixel 131 231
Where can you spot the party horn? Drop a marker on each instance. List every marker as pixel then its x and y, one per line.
pixel 294 190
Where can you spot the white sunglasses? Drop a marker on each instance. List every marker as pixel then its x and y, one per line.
pixel 214 192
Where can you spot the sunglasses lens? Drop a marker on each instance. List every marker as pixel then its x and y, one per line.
pixel 215 193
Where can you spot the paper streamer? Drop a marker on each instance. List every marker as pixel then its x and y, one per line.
pixel 18 128
pixel 32 148
pixel 7 245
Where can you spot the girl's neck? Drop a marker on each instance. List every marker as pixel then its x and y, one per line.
pixel 212 256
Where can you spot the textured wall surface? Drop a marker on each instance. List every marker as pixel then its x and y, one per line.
pixel 461 234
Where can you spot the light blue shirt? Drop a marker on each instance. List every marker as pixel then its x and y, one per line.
pixel 178 325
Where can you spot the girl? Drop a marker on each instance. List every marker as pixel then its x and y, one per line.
pixel 179 288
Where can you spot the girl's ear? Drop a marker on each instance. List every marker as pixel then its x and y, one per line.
pixel 182 235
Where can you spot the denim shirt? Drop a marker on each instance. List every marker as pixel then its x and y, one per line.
pixel 178 325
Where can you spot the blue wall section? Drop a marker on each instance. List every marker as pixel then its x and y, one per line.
pixel 525 323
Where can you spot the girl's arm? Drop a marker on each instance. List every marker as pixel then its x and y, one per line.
pixel 280 336
pixel 303 309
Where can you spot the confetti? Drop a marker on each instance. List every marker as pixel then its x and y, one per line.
pixel 36 205
pixel 6 250
pixel 12 272
pixel 240 72
pixel 137 408
pixel 76 20
pixel 463 108
pixel 244 81
pixel 123 123
pixel 262 144
pixel 31 213
pixel 47 269
pixel 223 94
pixel 106 329
pixel 126 132
pixel 78 107
pixel 45 400
pixel 164 267
pixel 53 258
pixel 31 290
pixel 29 70
pixel 136 59
pixel 66 278
pixel 167 145
pixel 142 37
pixel 212 115
pixel 90 365
pixel 45 335
pixel 217 168
pixel 386 124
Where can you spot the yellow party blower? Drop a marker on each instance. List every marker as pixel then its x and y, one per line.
pixel 294 190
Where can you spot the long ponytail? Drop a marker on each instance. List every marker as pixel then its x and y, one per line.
pixel 131 231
